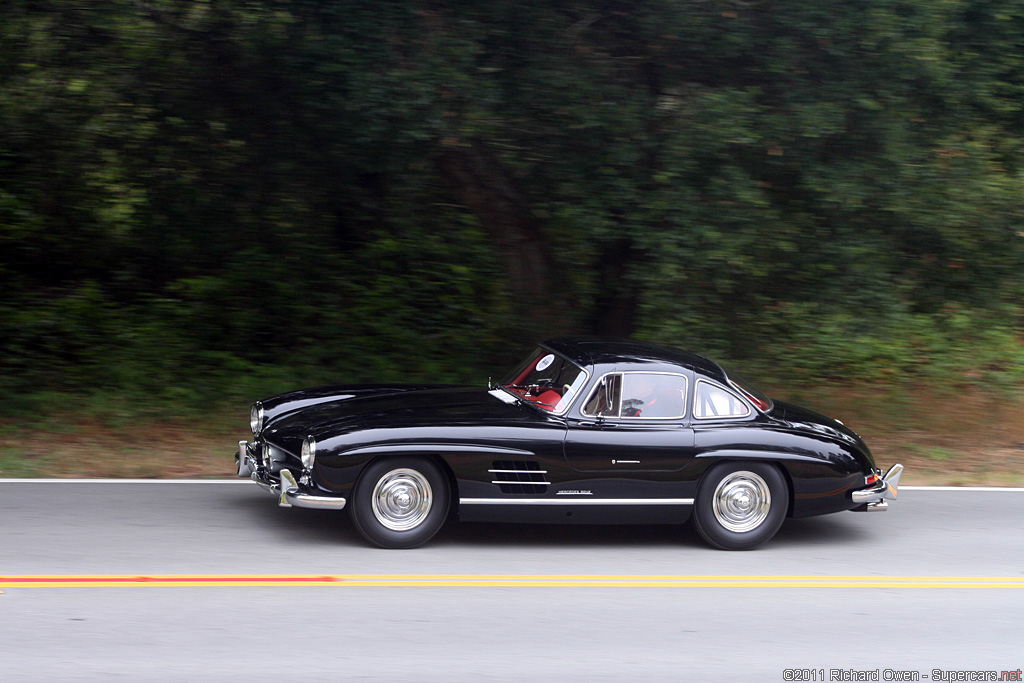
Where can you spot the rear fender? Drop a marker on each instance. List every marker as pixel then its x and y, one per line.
pixel 777 460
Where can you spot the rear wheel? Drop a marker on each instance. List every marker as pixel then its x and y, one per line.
pixel 740 505
pixel 400 502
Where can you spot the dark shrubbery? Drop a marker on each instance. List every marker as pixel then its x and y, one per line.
pixel 207 200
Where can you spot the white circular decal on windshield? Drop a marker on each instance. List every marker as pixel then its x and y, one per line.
pixel 545 362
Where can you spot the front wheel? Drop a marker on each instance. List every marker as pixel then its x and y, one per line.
pixel 400 502
pixel 740 505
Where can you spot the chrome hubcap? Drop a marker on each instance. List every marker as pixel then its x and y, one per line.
pixel 402 499
pixel 742 501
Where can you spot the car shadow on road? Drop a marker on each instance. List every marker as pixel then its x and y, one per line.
pixel 566 535
pixel 837 529
pixel 831 530
pixel 302 526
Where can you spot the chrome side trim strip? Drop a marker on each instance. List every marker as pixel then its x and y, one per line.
pixel 575 501
pixel 536 483
pixel 44 480
pixel 494 452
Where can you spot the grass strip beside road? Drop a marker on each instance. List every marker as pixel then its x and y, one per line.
pixel 956 436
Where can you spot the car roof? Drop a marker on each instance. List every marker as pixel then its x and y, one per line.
pixel 596 351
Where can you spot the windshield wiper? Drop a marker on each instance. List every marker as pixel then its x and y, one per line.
pixel 524 397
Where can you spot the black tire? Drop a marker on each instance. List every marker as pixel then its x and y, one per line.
pixel 400 502
pixel 737 521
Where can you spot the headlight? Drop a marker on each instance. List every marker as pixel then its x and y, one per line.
pixel 308 453
pixel 256 418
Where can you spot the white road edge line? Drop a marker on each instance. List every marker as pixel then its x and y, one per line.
pixel 126 481
pixel 248 481
pixel 961 488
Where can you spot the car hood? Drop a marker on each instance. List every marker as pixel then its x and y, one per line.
pixel 417 407
pixel 293 401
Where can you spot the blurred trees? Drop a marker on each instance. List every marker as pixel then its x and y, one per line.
pixel 399 189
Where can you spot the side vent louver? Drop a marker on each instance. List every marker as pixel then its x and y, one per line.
pixel 519 476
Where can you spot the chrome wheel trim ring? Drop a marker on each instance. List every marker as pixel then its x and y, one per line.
pixel 402 499
pixel 741 501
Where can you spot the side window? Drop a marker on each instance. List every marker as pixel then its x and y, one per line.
pixel 604 402
pixel 713 401
pixel 653 395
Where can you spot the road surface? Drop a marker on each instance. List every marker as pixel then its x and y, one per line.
pixel 213 582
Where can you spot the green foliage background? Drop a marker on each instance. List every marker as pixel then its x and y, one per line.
pixel 207 197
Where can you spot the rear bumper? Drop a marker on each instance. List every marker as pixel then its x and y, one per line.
pixel 876 497
pixel 285 487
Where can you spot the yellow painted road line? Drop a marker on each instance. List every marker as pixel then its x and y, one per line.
pixel 507 581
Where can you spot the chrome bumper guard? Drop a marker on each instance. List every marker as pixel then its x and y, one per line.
pixel 245 462
pixel 886 489
pixel 286 488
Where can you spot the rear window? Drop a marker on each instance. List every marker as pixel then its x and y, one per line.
pixel 712 401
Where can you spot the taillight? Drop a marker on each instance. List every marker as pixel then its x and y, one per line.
pixel 871 478
pixel 761 404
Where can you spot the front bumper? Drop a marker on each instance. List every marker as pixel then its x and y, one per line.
pixel 286 487
pixel 876 497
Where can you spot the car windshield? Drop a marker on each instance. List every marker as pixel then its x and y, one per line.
pixel 546 380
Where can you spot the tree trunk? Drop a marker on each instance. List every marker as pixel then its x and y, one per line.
pixel 482 184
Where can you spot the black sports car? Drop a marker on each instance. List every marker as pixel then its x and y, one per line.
pixel 582 431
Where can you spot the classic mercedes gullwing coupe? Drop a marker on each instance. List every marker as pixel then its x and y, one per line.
pixel 582 431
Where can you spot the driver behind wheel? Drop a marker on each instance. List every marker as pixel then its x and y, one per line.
pixel 653 395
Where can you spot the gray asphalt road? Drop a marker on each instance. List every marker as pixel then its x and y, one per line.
pixel 461 632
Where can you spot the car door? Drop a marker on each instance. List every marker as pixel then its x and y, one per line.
pixel 632 421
